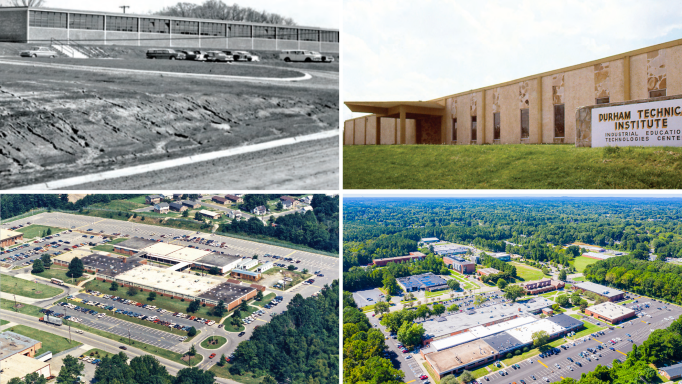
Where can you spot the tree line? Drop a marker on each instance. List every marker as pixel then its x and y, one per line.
pixel 358 278
pixel 218 10
pixel 14 205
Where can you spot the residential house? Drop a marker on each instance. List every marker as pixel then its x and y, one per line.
pixel 153 199
pixel 259 210
pixel 209 214
pixel 191 203
pixel 177 207
pixel 161 208
pixel 234 199
pixel 220 200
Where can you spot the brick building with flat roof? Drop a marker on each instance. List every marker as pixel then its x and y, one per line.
pixel 610 312
pixel 9 238
pixel 610 294
pixel 460 265
pixel 542 286
pixel 413 256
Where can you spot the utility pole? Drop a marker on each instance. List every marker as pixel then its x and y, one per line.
pixel 124 7
pixel 69 325
pixel 129 336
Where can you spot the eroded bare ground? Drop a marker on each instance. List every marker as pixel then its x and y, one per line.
pixel 307 165
pixel 56 124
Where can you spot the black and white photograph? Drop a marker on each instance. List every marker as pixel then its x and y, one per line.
pixel 162 94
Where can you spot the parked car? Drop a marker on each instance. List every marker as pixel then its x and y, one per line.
pixel 217 56
pixel 163 53
pixel 194 55
pixel 39 52
pixel 241 56
pixel 300 55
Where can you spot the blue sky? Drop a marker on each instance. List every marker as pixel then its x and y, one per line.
pixel 408 50
pixel 311 13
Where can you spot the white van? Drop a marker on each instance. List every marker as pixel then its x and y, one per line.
pixel 300 55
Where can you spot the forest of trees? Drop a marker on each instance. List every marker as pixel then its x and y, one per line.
pixel 318 229
pixel 358 278
pixel 363 348
pixel 218 10
pixel 14 205
pixel 507 271
pixel 299 346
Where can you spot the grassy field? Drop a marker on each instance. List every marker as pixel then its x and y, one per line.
pixel 26 288
pixel 221 341
pixel 36 230
pixel 433 375
pixel 528 273
pixel 109 247
pixel 98 353
pixel 121 205
pixel 246 378
pixel 60 273
pixel 589 328
pixel 579 278
pixel 266 299
pixel 165 302
pixel 3 322
pixel 26 309
pixel 513 166
pixel 581 262
pixel 50 341
pixel 230 328
pixel 139 200
pixel 464 283
pixel 173 356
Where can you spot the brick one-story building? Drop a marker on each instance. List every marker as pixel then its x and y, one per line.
pixel 536 109
pixel 17 357
pixel 39 25
pixel 9 238
pixel 542 286
pixel 610 312
pixel 413 256
pixel 458 264
pixel 610 294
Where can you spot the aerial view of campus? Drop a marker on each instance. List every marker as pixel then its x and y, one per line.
pixel 169 288
pixel 517 289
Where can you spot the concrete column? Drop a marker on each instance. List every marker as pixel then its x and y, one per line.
pixel 353 142
pixel 480 120
pixel 378 142
pixel 626 78
pixel 403 126
pixel 539 106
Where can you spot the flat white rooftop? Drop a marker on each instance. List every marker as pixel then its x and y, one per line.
pixel 480 332
pixel 524 333
pixel 171 281
pixel 188 254
pixel 611 310
pixel 162 249
pixel 7 234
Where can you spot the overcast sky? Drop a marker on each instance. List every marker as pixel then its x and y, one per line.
pixel 408 50
pixel 310 13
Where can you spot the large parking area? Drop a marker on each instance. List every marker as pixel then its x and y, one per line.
pixel 55 244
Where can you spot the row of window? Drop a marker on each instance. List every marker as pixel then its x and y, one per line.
pixel 45 19
pixel 559 119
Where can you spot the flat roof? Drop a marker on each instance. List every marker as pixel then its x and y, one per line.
pixel 598 255
pixel 245 272
pixel 429 238
pixel 503 342
pixel 399 257
pixel 480 332
pixel 463 320
pixel 489 271
pixel 109 265
pixel 217 260
pixel 460 355
pixel 565 321
pixel 7 234
pixel 227 292
pixel 611 310
pixel 163 279
pixel 12 343
pixel 70 255
pixel 524 333
pixel 162 249
pixel 150 16
pixel 208 213
pixel 598 289
pixel 19 366
pixel 425 280
pixel 135 243
pixel 188 254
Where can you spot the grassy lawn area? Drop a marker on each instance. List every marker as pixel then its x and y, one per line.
pixel 139 200
pixel 109 247
pixel 121 205
pixel 50 341
pixel 26 288
pixel 3 322
pixel 165 302
pixel 581 262
pixel 589 328
pixel 511 166
pixel 97 353
pixel 433 375
pixel 132 319
pixel 464 283
pixel 295 276
pixel 224 372
pixel 173 356
pixel 579 278
pixel 368 308
pixel 219 342
pixel 36 230
pixel 266 299
pixel 60 273
pixel 527 273
pixel 26 309
pixel 483 371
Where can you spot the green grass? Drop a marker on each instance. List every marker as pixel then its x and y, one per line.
pixel 161 352
pixel 527 273
pixel 165 302
pixel 433 375
pixel 139 200
pixel 121 205
pixel 132 319
pixel 109 247
pixel 368 308
pixel 98 353
pixel 581 262
pixel 50 341
pixel 221 341
pixel 36 230
pixel 512 166
pixel 26 309
pixel 26 288
pixel 589 328
pixel 464 283
pixel 60 273
pixel 266 299
pixel 579 278
pixel 246 378
pixel 3 322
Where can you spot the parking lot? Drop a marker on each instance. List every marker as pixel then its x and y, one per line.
pixel 636 330
pixel 63 242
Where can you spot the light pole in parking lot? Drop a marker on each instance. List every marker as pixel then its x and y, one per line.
pixel 129 336
pixel 68 324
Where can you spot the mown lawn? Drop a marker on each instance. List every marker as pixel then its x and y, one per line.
pixel 224 372
pixel 528 273
pixel 26 288
pixel 36 230
pixel 220 341
pixel 60 273
pixel 109 247
pixel 513 166
pixel 266 299
pixel 581 262
pixel 50 341
pixel 26 309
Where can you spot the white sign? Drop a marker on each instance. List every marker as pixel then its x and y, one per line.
pixel 653 124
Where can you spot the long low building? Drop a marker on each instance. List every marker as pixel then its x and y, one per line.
pixel 424 282
pixel 610 312
pixel 413 256
pixel 20 365
pixel 40 25
pixel 9 238
pixel 542 286
pixel 460 265
pixel 610 294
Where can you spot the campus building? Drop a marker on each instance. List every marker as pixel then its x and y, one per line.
pixel 459 264
pixel 40 25
pixel 9 238
pixel 413 256
pixel 608 293
pixel 542 286
pixel 535 109
pixel 424 282
pixel 449 249
pixel 246 275
pixel 610 312
pixel 17 357
pixel 672 372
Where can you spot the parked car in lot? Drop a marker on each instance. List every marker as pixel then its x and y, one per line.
pixel 324 58
pixel 163 53
pixel 242 56
pixel 39 52
pixel 217 56
pixel 300 55
pixel 194 55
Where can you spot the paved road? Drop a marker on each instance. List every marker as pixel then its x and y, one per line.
pixel 308 165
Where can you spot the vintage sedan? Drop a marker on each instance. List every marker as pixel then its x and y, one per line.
pixel 217 56
pixel 39 52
